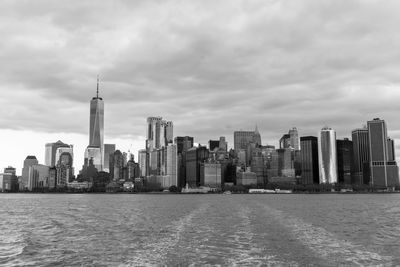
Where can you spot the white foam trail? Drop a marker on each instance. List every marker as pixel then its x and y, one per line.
pixel 155 250
pixel 326 245
pixel 248 253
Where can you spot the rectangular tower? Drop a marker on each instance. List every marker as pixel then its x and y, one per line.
pixel 383 172
pixel 309 160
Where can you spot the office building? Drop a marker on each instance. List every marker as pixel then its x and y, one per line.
pixel 142 162
pixel 194 157
pixel 361 171
pixel 391 150
pixel 64 167
pixel 309 160
pixel 38 177
pixel 246 177
pixel 327 157
pixel 108 149
pixel 170 177
pixel 96 131
pixel 258 166
pixel 184 143
pixel 383 172
pixel 116 166
pixel 50 152
pixel 159 135
pixel 213 144
pixel 29 161
pixel 290 140
pixel 345 160
pixel 243 138
pixel 211 174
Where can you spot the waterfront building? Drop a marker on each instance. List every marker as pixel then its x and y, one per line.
pixel 132 169
pixel 11 170
pixel 282 163
pixel 258 166
pixel 327 156
pixel 246 177
pixel 28 162
pixel 183 144
pixel 383 172
pixel 243 138
pixel 309 160
pixel 108 149
pixel 142 162
pixel 170 177
pixel 52 177
pixel 65 170
pixel 38 177
pixel 344 160
pixel 211 174
pixel 194 157
pixel 96 131
pixel 159 135
pixel 50 152
pixel 116 166
pixel 361 173
pixel 8 180
pixel 391 150
pixel 94 153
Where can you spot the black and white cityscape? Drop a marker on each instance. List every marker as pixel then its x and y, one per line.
pixel 184 133
pixel 365 161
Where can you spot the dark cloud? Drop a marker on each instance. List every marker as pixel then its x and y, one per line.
pixel 210 67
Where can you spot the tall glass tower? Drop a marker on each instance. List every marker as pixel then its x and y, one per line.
pixel 327 157
pixel 96 129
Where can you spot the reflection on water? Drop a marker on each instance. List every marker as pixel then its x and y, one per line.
pixel 245 230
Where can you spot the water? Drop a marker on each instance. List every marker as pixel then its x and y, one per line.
pixel 244 230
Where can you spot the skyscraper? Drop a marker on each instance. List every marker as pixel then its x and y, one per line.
pixel 327 158
pixel 50 153
pixel 28 162
pixel 345 160
pixel 142 162
pixel 241 139
pixel 96 130
pixel 108 149
pixel 361 173
pixel 383 172
pixel 309 160
pixel 290 139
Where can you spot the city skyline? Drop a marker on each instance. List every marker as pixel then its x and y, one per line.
pixel 275 67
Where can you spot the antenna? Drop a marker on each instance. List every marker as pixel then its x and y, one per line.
pixel 97 93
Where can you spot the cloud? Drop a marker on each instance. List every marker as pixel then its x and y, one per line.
pixel 211 67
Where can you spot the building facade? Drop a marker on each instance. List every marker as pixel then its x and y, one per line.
pixel 327 157
pixel 345 160
pixel 309 160
pixel 361 172
pixel 383 172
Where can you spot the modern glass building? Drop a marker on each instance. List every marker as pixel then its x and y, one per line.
pixel 361 172
pixel 327 157
pixel 96 127
pixel 309 160
pixel 384 172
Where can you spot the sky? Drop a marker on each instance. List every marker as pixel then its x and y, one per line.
pixel 211 67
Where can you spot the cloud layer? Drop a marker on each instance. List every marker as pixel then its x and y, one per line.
pixel 211 67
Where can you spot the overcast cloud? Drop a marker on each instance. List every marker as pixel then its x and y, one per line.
pixel 211 67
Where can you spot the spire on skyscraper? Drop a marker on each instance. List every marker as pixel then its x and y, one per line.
pixel 97 92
